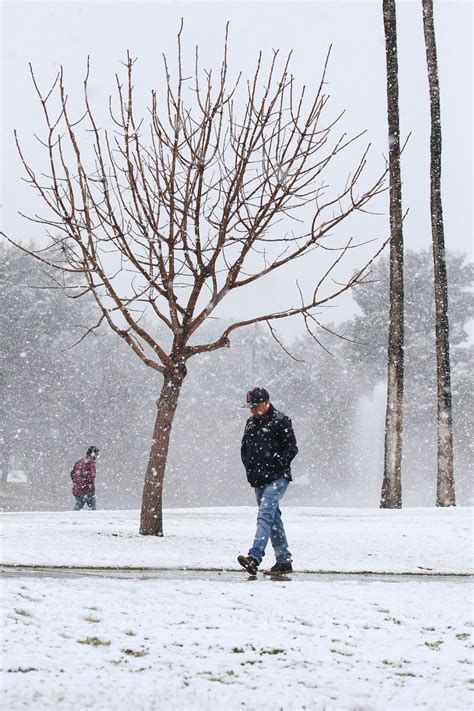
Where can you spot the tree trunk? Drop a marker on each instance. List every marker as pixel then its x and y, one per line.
pixel 151 522
pixel 445 494
pixel 392 486
pixel 5 461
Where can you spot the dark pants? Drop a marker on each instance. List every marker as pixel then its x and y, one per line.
pixel 88 499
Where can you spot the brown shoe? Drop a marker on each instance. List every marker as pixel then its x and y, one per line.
pixel 279 569
pixel 250 565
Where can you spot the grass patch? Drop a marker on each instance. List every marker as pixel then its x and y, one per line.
pixel 135 652
pixel 434 645
pixel 343 654
pixel 94 642
pixel 402 673
pixel 28 597
pixel 220 679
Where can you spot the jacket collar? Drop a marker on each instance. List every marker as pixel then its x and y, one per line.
pixel 266 417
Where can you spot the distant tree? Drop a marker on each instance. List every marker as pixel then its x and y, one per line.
pixel 33 322
pixel 57 397
pixel 445 491
pixel 174 215
pixel 392 483
pixel 367 329
pixel 321 394
pixel 368 352
pixel 463 426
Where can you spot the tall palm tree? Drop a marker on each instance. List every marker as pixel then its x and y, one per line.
pixel 445 492
pixel 392 486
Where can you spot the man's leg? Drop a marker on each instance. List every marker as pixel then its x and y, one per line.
pixel 91 503
pixel 79 503
pixel 267 499
pixel 278 539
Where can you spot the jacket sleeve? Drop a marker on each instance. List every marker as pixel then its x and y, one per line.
pixel 243 450
pixel 288 446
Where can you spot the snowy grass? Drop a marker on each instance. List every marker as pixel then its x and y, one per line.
pixel 358 644
pixel 117 644
pixel 410 540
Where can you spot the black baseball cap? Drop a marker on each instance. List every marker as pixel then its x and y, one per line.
pixel 256 396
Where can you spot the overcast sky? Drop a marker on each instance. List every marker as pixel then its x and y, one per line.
pixel 49 34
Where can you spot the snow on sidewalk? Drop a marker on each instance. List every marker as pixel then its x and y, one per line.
pixel 413 540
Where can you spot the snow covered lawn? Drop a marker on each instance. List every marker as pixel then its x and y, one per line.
pixel 215 644
pixel 112 645
pixel 337 539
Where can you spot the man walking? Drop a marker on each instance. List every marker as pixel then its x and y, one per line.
pixel 83 480
pixel 268 447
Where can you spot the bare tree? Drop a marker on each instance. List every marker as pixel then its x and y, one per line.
pixel 445 493
pixel 392 483
pixel 177 212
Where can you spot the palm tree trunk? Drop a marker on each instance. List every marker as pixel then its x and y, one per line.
pixel 392 486
pixel 445 492
pixel 151 521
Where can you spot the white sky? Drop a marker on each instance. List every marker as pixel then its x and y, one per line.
pixel 52 33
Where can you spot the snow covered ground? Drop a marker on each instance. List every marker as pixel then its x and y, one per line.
pixel 331 539
pixel 351 643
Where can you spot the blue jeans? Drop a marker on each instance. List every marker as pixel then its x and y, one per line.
pixel 269 522
pixel 88 499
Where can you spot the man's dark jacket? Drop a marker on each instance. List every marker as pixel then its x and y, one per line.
pixel 268 447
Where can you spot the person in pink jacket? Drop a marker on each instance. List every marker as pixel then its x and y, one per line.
pixel 83 480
